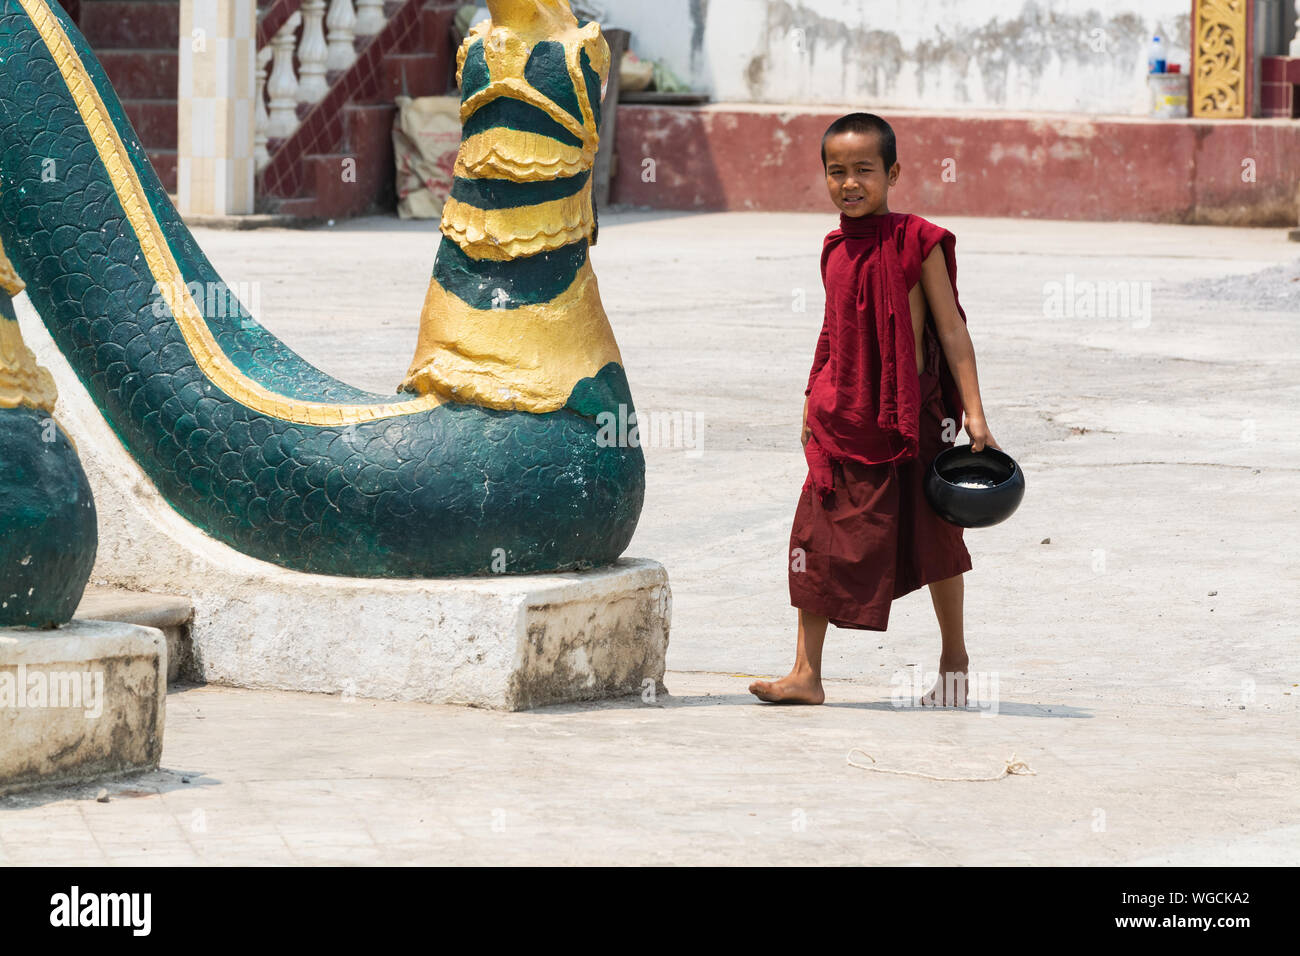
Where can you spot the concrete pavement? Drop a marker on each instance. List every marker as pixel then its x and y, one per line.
pixel 1137 612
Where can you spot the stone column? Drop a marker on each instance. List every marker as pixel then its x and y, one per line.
pixel 215 107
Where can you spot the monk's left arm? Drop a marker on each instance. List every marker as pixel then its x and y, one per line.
pixel 957 346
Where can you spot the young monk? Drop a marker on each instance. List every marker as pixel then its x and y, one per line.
pixel 893 372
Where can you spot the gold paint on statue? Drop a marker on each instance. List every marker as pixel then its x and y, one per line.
pixel 215 364
pixel 22 382
pixel 10 284
pixel 534 20
pixel 528 358
pixel 521 156
pixel 522 91
pixel 506 51
pixel 501 234
pixel 1218 73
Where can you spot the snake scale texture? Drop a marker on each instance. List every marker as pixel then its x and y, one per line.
pixel 492 457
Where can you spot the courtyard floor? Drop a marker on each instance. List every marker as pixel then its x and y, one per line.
pixel 1134 625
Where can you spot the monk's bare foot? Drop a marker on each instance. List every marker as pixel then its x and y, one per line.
pixel 795 688
pixel 950 689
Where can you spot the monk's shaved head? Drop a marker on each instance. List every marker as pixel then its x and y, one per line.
pixel 865 123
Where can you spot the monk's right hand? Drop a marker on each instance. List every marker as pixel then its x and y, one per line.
pixel 807 433
pixel 979 433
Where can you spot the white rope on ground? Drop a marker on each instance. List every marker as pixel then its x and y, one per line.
pixel 1013 767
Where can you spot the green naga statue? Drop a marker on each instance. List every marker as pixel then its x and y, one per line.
pixel 494 456
pixel 48 535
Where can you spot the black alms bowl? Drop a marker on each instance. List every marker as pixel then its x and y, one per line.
pixel 974 489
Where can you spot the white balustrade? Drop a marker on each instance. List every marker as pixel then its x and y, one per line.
pixel 1295 41
pixel 345 21
pixel 311 53
pixel 261 120
pixel 341 21
pixel 370 17
pixel 282 87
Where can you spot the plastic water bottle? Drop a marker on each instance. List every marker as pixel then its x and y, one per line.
pixel 1156 55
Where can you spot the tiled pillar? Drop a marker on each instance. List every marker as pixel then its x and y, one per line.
pixel 214 162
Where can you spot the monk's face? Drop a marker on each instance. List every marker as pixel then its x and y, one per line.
pixel 856 174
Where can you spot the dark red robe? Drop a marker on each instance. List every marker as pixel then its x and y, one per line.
pixel 863 532
pixel 863 393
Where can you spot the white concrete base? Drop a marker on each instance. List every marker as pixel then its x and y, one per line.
pixel 169 613
pixel 83 702
pixel 509 643
pixel 505 642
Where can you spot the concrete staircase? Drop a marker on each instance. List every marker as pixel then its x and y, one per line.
pixel 137 43
pixel 171 614
pixel 412 56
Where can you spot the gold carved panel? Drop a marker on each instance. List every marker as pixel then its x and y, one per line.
pixel 1220 64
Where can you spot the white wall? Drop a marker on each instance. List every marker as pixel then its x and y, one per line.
pixel 1053 55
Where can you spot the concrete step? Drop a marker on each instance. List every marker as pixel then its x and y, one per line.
pixel 169 613
pixel 431 35
pixel 336 197
pixel 142 74
pixel 435 34
pixel 356 121
pixel 367 140
pixel 410 74
pixel 85 702
pixel 299 208
pixel 164 163
pixel 154 122
pixel 132 24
